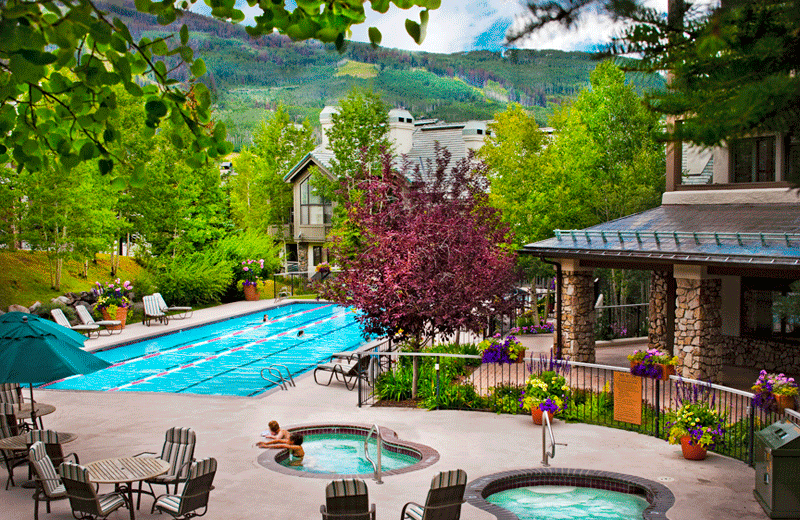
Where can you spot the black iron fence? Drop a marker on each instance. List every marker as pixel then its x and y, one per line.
pixel 591 395
pixel 621 321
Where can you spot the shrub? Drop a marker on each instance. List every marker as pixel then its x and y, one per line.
pixel 43 311
pixel 195 278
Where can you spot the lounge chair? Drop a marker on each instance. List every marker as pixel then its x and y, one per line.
pixel 152 311
pixel 346 367
pixel 9 427
pixel 444 498
pixel 347 499
pixel 58 316
pixel 197 487
pixel 49 485
pixel 177 312
pixel 84 500
pixel 86 317
pixel 178 450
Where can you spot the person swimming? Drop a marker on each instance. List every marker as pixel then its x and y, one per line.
pixel 275 433
pixel 294 445
pixel 300 333
pixel 266 319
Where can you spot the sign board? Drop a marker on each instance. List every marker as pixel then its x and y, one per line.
pixel 627 398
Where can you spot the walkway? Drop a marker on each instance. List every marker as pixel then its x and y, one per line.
pixel 125 423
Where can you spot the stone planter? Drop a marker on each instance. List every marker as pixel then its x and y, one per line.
pixel 784 401
pixel 251 293
pixel 537 414
pixel 692 451
pixel 122 316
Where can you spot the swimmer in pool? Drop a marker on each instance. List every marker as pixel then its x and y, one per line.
pixel 294 445
pixel 266 319
pixel 300 333
pixel 276 434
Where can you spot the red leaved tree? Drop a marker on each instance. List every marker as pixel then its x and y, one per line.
pixel 423 252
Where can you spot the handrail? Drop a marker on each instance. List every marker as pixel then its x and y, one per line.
pixel 281 382
pixel 278 367
pixel 376 465
pixel 547 428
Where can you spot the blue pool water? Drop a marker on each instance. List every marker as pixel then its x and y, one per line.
pixel 567 503
pixel 226 358
pixel 343 454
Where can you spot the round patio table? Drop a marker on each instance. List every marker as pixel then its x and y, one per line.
pixel 124 471
pixel 20 442
pixel 23 411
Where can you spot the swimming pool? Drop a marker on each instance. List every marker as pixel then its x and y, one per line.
pixel 226 357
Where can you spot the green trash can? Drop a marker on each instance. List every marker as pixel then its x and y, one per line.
pixel 777 459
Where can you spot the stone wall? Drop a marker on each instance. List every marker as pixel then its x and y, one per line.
pixel 762 354
pixel 578 316
pixel 698 341
pixel 302 256
pixel 658 311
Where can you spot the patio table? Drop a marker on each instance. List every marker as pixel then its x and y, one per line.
pixel 23 411
pixel 124 471
pixel 20 442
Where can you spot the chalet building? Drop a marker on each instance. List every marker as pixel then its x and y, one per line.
pixel 722 249
pixel 311 220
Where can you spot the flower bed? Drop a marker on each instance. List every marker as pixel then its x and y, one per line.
pixel 501 350
pixel 546 328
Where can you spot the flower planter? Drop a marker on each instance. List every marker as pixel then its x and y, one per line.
pixel 666 370
pixel 122 316
pixel 251 293
pixel 537 414
pixel 784 401
pixel 692 451
pixel 521 356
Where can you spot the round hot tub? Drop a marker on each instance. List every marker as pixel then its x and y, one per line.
pixel 517 495
pixel 338 451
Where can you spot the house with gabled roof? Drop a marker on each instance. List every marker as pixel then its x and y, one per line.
pixel 723 250
pixel 416 140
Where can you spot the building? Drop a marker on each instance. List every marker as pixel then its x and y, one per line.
pixel 722 249
pixel 311 219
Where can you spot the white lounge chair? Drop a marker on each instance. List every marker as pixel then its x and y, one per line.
pixel 62 320
pixel 86 317
pixel 179 312
pixel 152 311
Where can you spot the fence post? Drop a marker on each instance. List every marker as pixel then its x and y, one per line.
pixel 359 379
pixel 751 433
pixel 658 408
pixel 438 359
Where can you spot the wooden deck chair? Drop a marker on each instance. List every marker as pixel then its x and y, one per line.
pixel 177 312
pixel 152 311
pixel 86 317
pixel 49 439
pixel 84 500
pixel 58 316
pixel 347 368
pixel 49 486
pixel 194 497
pixel 347 499
pixel 444 498
pixel 9 427
pixel 178 450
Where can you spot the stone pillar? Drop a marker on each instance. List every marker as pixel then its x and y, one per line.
pixel 697 328
pixel 578 315
pixel 302 257
pixel 661 311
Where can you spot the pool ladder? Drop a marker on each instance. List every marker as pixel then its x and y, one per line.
pixel 275 370
pixel 547 428
pixel 376 464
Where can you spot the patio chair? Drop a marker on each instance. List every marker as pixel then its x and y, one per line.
pixel 178 450
pixel 49 486
pixel 86 504
pixel 49 439
pixel 152 311
pixel 9 427
pixel 347 499
pixel 86 317
pixel 346 367
pixel 444 498
pixel 177 312
pixel 58 316
pixel 11 393
pixel 197 487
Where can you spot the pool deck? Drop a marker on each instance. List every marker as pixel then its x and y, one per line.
pixel 126 423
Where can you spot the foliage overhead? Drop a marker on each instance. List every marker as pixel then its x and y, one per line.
pixel 733 65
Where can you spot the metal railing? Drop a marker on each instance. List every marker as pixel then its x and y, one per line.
pixel 592 397
pixel 275 371
pixel 376 464
pixel 546 427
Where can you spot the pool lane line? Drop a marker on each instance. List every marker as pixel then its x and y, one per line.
pixel 214 356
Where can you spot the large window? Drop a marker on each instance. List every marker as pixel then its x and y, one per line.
pixel 793 158
pixel 769 308
pixel 314 209
pixel 753 160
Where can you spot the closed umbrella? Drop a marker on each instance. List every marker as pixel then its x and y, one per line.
pixel 37 350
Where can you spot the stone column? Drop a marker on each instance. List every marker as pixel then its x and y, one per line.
pixel 697 327
pixel 302 256
pixel 578 315
pixel 661 311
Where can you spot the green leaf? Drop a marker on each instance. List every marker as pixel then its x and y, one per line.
pixel 184 34
pixel 88 151
pixel 198 68
pixel 138 177
pixel 37 57
pixel 118 183
pixel 156 109
pixel 380 6
pixel 375 36
pixel 106 165
pixel 413 30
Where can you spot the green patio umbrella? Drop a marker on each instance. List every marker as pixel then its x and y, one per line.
pixel 37 350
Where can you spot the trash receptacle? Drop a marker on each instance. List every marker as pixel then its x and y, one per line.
pixel 777 458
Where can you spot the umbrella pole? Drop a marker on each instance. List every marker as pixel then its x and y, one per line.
pixel 33 408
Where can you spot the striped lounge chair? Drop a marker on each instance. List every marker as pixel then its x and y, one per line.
pixel 152 311
pixel 444 498
pixel 178 450
pixel 58 316
pixel 174 311
pixel 86 318
pixel 84 500
pixel 49 486
pixel 194 497
pixel 347 499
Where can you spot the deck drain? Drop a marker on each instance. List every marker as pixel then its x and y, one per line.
pixel 665 479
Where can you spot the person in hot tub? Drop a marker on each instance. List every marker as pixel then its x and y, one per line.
pixel 295 447
pixel 276 434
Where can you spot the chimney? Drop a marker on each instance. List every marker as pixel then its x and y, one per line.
pixel 474 133
pixel 326 122
pixel 401 130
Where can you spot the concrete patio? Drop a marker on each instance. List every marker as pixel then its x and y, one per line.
pixel 126 423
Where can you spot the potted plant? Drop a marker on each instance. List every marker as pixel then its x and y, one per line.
pixel 546 392
pixel 774 392
pixel 502 350
pixel 113 300
pixel 698 426
pixel 652 363
pixel 249 272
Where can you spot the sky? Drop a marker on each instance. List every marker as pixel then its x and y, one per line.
pixel 465 25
